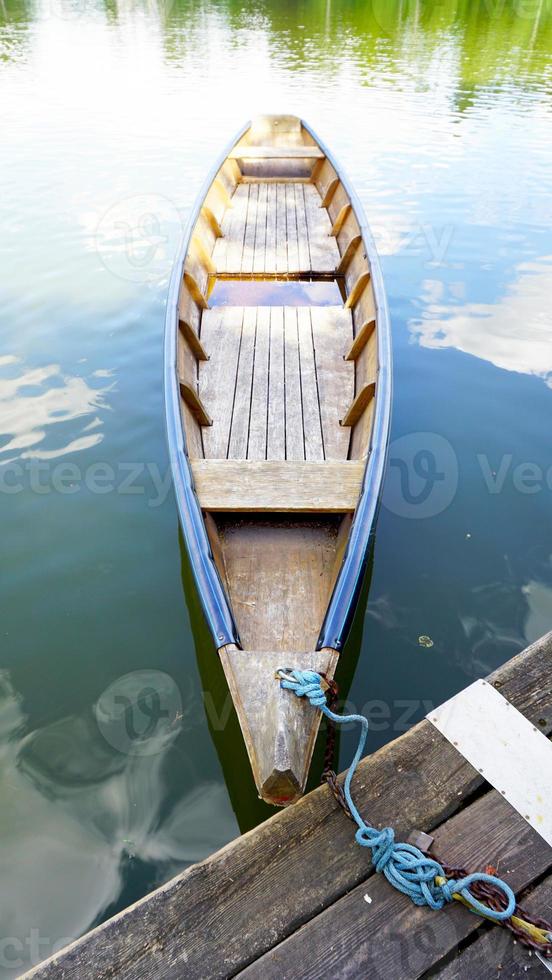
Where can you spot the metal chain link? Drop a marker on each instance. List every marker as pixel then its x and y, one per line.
pixel 495 899
pixel 329 774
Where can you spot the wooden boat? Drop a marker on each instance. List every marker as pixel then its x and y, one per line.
pixel 278 409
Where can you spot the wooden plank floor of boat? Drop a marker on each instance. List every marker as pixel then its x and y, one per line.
pixel 279 381
pixel 276 228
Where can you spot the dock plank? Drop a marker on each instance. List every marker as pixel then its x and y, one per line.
pixel 221 915
pixel 391 937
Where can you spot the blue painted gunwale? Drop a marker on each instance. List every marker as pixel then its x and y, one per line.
pixel 346 591
pixel 344 598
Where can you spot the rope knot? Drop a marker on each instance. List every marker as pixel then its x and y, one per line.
pixel 304 683
pixel 383 847
pixel 448 888
pixel 405 866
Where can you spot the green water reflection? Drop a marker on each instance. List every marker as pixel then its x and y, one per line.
pixel 120 762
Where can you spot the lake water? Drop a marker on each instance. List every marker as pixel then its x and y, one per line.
pixel 120 763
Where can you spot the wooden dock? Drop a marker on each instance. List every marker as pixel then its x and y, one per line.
pixel 297 898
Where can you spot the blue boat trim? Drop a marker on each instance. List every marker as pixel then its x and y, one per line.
pixel 212 593
pixel 344 598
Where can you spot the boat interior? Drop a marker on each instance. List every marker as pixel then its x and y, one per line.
pixel 277 368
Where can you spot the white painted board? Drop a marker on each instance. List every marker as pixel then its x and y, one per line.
pixel 509 752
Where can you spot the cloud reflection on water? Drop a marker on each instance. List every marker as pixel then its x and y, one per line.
pixel 75 814
pixel 513 333
pixel 37 402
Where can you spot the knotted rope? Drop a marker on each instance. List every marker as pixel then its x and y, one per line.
pixel 405 866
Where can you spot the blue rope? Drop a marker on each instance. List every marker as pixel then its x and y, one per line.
pixel 405 866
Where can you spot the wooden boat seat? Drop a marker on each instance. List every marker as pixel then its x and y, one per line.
pixel 284 487
pixel 276 153
pixel 276 384
pixel 275 227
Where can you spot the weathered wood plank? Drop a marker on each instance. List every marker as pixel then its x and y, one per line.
pixel 260 232
pixel 194 403
pixel 332 329
pixel 225 912
pixel 295 444
pixel 276 153
pixel 250 229
pixel 347 256
pixel 270 247
pixel 241 412
pixel 291 225
pixel 312 423
pixel 195 291
pixel 302 230
pixel 291 563
pixel 281 249
pixel 264 179
pixel 211 218
pixel 267 485
pixel 329 192
pixel 279 734
pixel 340 218
pixel 228 250
pixel 361 401
pixel 391 937
pixel 256 447
pixel 276 435
pixel 280 385
pixel 192 340
pixel 222 191
pixel 221 332
pixel 235 235
pixel 323 248
pixel 275 228
pixel 199 247
pixel 357 290
pixel 361 339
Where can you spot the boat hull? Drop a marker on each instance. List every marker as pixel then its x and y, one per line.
pixel 278 410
